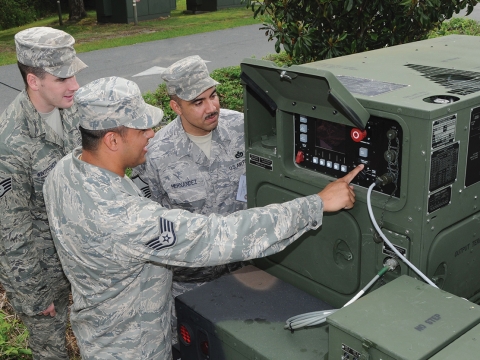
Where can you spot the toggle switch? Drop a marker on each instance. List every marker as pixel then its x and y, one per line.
pixel 300 157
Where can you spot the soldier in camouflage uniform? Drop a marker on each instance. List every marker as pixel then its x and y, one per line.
pixel 36 130
pixel 116 246
pixel 195 163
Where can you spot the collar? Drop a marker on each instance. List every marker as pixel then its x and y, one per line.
pixel 104 176
pixel 186 147
pixel 36 125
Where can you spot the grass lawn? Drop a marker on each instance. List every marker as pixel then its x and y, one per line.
pixel 91 36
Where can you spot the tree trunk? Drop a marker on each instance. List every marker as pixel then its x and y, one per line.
pixel 77 10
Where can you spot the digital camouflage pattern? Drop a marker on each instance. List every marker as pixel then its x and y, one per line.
pixel 50 49
pixel 188 78
pixel 30 270
pixel 47 334
pixel 180 176
pixel 115 246
pixel 112 102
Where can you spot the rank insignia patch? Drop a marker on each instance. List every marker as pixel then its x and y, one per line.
pixel 167 236
pixel 142 185
pixel 5 186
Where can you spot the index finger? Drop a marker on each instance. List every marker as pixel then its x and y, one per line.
pixel 351 175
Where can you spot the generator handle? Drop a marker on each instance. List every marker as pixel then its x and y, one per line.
pixel 349 113
pixel 258 90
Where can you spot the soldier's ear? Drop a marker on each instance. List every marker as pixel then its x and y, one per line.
pixel 33 81
pixel 176 107
pixel 111 140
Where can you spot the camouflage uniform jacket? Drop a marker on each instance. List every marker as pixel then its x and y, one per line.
pixel 114 245
pixel 30 269
pixel 180 176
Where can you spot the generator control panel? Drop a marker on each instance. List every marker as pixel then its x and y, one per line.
pixel 335 149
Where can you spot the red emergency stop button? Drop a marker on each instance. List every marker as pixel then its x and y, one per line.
pixel 358 135
pixel 300 157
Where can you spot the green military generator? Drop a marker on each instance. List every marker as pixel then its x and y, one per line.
pixel 411 115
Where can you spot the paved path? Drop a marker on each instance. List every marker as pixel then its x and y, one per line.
pixel 221 48
pixel 143 62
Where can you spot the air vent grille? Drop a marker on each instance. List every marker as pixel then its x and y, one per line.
pixel 458 82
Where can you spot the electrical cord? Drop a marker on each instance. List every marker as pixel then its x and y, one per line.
pixel 394 249
pixel 319 317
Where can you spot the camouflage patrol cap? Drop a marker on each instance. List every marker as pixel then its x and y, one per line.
pixel 49 49
pixel 113 101
pixel 188 78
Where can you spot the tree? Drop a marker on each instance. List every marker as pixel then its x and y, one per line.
pixel 310 30
pixel 77 10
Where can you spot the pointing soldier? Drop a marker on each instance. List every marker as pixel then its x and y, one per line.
pixel 196 162
pixel 116 246
pixel 36 130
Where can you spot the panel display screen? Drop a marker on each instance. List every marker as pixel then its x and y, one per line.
pixel 330 136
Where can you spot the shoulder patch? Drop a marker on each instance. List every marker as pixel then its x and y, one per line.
pixel 167 236
pixel 5 186
pixel 142 185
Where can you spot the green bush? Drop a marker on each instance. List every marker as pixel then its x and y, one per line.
pixel 160 99
pixel 310 30
pixel 230 89
pixel 21 12
pixel 458 26
pixel 16 13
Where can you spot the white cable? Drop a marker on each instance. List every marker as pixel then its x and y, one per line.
pixel 319 317
pixel 361 292
pixel 308 319
pixel 394 249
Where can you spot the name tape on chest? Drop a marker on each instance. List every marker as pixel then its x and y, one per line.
pixel 43 173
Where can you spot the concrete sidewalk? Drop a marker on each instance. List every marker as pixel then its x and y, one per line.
pixel 143 62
